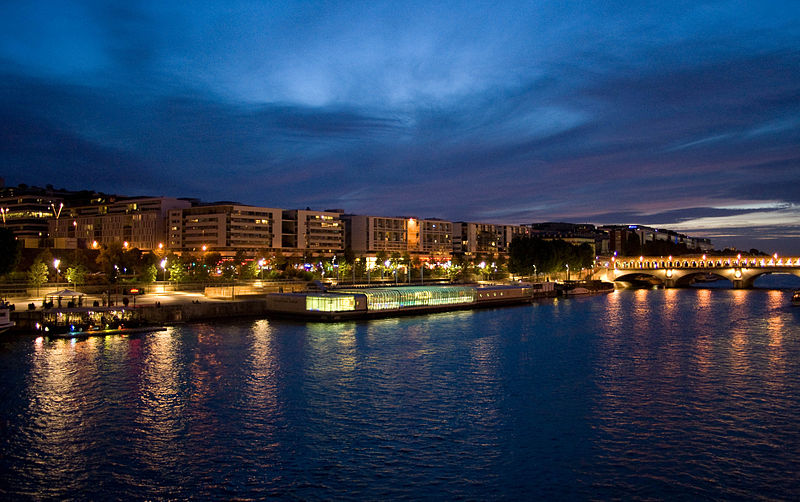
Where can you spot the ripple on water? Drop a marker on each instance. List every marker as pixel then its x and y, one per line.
pixel 637 394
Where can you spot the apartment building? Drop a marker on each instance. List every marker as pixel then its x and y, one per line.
pixel 485 238
pixel 373 234
pixel 138 222
pixel 309 230
pixel 225 228
pixel 621 238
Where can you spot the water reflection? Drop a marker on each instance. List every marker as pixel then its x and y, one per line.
pixel 635 394
pixel 653 404
pixel 162 402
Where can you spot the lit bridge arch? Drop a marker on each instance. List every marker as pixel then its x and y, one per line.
pixel 680 270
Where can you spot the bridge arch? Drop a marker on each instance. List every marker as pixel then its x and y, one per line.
pixel 639 275
pixel 749 282
pixel 687 279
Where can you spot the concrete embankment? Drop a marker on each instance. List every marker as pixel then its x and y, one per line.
pixel 203 311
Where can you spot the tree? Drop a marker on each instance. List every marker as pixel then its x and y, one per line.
pixel 37 274
pixel 250 271
pixel 9 251
pixel 109 259
pixel 177 272
pixel 76 274
pixel 633 246
pixel 149 274
pixel 548 256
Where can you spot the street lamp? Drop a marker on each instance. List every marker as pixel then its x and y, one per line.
pixel 164 268
pixel 57 212
pixel 567 265
pixel 336 268
pixel 56 263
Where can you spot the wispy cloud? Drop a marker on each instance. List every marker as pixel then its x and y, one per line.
pixel 677 113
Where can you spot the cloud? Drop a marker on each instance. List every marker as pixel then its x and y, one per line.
pixel 513 112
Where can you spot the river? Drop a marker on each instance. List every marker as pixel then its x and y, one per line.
pixel 638 394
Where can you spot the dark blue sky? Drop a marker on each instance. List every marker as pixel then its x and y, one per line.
pixel 684 115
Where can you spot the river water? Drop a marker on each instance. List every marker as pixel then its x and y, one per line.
pixel 665 394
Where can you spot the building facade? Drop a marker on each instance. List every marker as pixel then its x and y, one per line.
pixel 225 228
pixel 634 239
pixel 398 234
pixel 308 230
pixel 139 222
pixel 485 238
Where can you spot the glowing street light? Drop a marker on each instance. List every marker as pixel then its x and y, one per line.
pixel 56 263
pixel 164 268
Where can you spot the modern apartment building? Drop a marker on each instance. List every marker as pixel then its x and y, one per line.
pixel 138 222
pixel 28 215
pixel 573 233
pixel 308 230
pixel 373 234
pixel 485 238
pixel 380 233
pixel 225 228
pixel 620 237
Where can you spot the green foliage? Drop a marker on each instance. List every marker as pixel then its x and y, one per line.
pixel 149 274
pixel 632 247
pixel 177 272
pixel 665 248
pixel 250 271
pixel 548 256
pixel 37 274
pixel 76 274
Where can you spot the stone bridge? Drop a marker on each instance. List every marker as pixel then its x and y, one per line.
pixel 683 270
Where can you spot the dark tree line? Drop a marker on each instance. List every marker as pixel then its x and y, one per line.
pixel 549 256
pixel 633 247
pixel 9 251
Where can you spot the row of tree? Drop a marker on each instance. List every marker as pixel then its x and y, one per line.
pixel 529 255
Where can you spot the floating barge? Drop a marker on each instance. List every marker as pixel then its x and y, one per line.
pixel 78 322
pixel 371 302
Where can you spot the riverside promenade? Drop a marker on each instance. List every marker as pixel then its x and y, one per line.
pixel 160 307
pixel 220 302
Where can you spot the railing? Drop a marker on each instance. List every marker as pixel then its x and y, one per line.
pixel 651 263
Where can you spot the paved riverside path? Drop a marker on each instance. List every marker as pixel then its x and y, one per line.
pixel 171 298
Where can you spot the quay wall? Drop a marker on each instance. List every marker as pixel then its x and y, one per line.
pixel 202 311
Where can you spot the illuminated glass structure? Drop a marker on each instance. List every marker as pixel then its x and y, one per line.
pixel 330 303
pixel 414 296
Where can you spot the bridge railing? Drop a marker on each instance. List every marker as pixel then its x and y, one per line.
pixel 653 262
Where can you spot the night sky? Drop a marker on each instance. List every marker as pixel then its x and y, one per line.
pixel 682 115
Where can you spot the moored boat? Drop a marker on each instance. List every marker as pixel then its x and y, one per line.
pixel 5 317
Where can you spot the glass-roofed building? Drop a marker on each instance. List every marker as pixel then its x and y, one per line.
pixel 363 302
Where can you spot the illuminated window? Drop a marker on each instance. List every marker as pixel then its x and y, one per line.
pixel 332 303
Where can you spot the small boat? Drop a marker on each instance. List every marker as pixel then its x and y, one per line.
pixel 5 317
pixel 796 297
